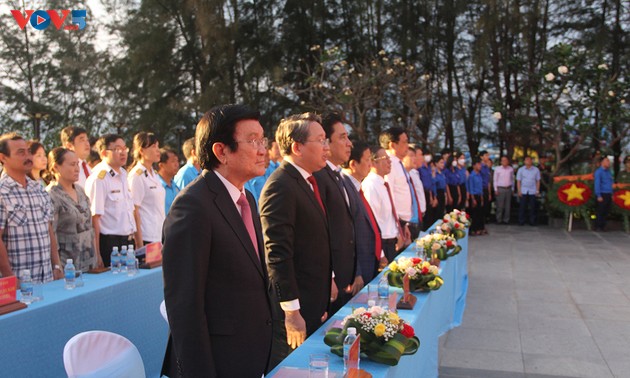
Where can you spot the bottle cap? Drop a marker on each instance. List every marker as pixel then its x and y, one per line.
pixel 124 247
pixel 371 303
pixel 115 249
pixel 69 261
pixel 352 331
pixel 130 246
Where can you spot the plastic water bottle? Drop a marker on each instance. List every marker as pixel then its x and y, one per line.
pixel 70 274
pixel 115 261
pixel 131 262
pixel 26 287
pixel 383 292
pixel 347 344
pixel 123 255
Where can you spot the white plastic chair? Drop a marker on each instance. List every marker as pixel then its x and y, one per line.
pixel 96 354
pixel 163 311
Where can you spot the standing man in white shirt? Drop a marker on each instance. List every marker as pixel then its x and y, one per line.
pixel 394 140
pixel 76 139
pixel 503 188
pixel 411 165
pixel 378 194
pixel 110 198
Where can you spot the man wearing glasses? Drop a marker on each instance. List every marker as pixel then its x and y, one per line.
pixel 110 198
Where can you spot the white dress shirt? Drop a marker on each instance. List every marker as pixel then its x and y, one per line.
pixel 375 193
pixel 82 176
pixel 148 195
pixel 417 183
pixel 399 186
pixel 110 198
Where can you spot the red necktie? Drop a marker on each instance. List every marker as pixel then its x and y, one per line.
pixel 85 169
pixel 246 215
pixel 417 200
pixel 311 179
pixel 391 201
pixel 378 244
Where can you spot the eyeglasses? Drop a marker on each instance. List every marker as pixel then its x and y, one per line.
pixel 323 142
pixel 119 150
pixel 257 143
pixel 381 158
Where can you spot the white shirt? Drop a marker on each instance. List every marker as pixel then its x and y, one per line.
pixel 82 176
pixel 375 193
pixel 148 195
pixel 414 175
pixel 399 186
pixel 110 198
pixel 235 194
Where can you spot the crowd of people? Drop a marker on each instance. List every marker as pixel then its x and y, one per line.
pixel 246 272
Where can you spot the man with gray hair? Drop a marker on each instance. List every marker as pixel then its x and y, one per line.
pixel 295 231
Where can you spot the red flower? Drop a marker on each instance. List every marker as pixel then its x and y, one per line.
pixel 449 243
pixel 445 220
pixel 467 216
pixel 456 225
pixel 416 260
pixel 425 270
pixel 407 331
pixel 367 314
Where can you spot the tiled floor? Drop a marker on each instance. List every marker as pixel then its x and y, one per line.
pixel 543 302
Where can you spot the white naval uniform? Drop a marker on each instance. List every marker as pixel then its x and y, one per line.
pixel 110 198
pixel 149 195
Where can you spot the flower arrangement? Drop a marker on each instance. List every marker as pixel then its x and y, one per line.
pixel 385 337
pixel 422 275
pixel 437 246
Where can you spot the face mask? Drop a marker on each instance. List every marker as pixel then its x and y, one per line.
pixel 515 166
pixel 427 158
pixel 454 163
pixel 461 161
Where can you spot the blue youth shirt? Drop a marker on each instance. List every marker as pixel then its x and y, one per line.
pixel 186 175
pixel 440 180
pixel 603 182
pixel 461 172
pixel 474 185
pixel 427 178
pixel 171 192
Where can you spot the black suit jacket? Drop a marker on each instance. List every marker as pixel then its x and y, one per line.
pixel 341 228
pixel 365 235
pixel 215 286
pixel 296 244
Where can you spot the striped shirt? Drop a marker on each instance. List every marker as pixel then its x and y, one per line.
pixel 25 216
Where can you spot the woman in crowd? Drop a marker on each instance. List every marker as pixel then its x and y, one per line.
pixel 462 172
pixel 453 194
pixel 39 162
pixel 440 185
pixel 72 218
pixel 146 189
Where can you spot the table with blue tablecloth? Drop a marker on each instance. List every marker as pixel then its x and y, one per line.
pixel 32 340
pixel 434 314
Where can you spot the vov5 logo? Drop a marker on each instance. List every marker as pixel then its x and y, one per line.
pixel 40 19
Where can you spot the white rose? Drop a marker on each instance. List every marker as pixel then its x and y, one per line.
pixel 550 77
pixel 563 70
pixel 360 311
pixel 411 272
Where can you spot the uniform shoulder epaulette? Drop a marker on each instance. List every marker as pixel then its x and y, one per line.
pixel 139 171
pixel 101 174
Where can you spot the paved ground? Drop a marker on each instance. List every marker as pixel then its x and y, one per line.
pixel 543 302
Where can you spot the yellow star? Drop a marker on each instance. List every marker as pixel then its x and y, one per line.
pixel 574 193
pixel 626 198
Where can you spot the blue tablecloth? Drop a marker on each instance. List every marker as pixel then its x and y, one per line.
pixel 434 314
pixel 32 340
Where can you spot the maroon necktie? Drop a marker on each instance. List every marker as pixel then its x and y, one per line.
pixel 391 201
pixel 311 179
pixel 85 169
pixel 378 244
pixel 246 215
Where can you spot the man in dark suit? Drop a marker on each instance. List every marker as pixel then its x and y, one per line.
pixel 215 278
pixel 296 233
pixel 368 242
pixel 339 210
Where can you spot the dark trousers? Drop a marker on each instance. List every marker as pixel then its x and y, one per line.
pixel 602 210
pixel 487 204
pixel 107 242
pixel 462 200
pixel 528 209
pixel 414 228
pixel 455 197
pixel 389 248
pixel 440 210
pixel 476 214
pixel 429 217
